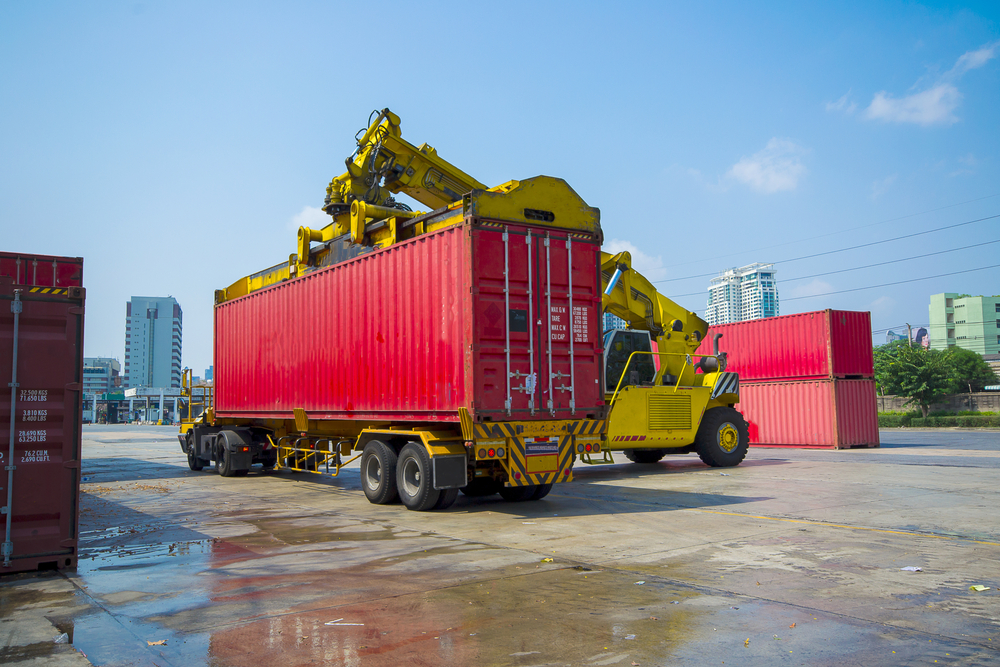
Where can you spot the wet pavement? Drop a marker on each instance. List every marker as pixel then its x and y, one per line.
pixel 792 558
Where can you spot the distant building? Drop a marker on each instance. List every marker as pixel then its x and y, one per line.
pixel 611 322
pixel 892 336
pixel 993 360
pixel 969 322
pixel 153 331
pixel 747 293
pixel 101 375
pixel 208 373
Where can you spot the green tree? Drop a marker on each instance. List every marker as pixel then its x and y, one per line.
pixel 920 375
pixel 885 356
pixel 968 371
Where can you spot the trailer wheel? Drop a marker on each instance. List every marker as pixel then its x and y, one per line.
pixel 481 486
pixel 516 494
pixel 413 479
pixel 447 499
pixel 194 462
pixel 378 473
pixel 541 491
pixel 644 455
pixel 723 438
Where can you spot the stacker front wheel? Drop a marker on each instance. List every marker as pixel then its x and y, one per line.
pixel 224 461
pixel 723 438
pixel 194 462
pixel 378 473
pixel 414 480
pixel 644 455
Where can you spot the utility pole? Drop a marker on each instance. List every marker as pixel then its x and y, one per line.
pixel 909 335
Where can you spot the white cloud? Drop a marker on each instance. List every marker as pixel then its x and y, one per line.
pixel 311 217
pixel 935 105
pixel 774 169
pixel 974 59
pixel 930 107
pixel 843 104
pixel 650 267
pixel 879 188
pixel 813 288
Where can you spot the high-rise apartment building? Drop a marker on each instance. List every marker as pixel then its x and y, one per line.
pixel 100 375
pixel 747 293
pixel 153 330
pixel 969 322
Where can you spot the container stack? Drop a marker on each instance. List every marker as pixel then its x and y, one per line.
pixel 806 380
pixel 41 310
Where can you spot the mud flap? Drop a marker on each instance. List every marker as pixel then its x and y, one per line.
pixel 449 471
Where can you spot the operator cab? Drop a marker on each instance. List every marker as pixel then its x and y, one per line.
pixel 619 344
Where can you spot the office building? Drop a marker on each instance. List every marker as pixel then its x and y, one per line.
pixel 614 322
pixel 153 331
pixel 747 293
pixel 962 320
pixel 101 375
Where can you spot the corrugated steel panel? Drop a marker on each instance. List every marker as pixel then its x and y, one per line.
pixel 47 423
pixel 832 414
pixel 414 331
pixel 42 270
pixel 820 344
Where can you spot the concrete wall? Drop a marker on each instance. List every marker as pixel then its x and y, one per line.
pixel 979 402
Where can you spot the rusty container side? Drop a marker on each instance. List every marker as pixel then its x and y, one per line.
pixel 42 271
pixel 47 422
pixel 816 345
pixel 822 414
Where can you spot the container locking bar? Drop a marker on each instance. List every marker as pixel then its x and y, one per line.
pixel 506 300
pixel 7 550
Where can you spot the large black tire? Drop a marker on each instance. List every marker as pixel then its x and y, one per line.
pixel 644 455
pixel 378 473
pixel 414 480
pixel 541 491
pixel 516 494
pixel 482 486
pixel 723 438
pixel 194 462
pixel 447 499
pixel 223 461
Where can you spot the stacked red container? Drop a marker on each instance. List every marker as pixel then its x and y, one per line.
pixel 42 300
pixel 806 380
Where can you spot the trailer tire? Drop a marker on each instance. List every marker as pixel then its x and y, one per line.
pixel 644 455
pixel 723 438
pixel 447 499
pixel 414 480
pixel 479 487
pixel 541 491
pixel 517 494
pixel 378 473
pixel 194 462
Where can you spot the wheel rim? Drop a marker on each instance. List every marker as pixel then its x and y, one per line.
pixel 373 473
pixel 729 437
pixel 411 476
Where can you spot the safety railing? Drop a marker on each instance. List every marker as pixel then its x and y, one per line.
pixel 323 456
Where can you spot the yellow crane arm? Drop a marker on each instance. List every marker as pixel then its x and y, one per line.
pixel 630 296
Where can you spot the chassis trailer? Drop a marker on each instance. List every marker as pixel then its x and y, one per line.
pixel 468 356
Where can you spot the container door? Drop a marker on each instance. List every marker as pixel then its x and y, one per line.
pixel 537 324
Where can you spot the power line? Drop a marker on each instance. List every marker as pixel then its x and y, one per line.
pixel 863 245
pixel 899 282
pixel 868 266
pixel 841 231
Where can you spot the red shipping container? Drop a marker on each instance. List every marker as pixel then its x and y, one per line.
pixel 43 494
pixel 42 270
pixel 417 330
pixel 829 414
pixel 821 344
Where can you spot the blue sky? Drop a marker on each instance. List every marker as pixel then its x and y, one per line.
pixel 177 146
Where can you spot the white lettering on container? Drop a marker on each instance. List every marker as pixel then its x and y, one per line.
pixel 29 395
pixel 581 332
pixel 31 436
pixel 34 415
pixel 35 456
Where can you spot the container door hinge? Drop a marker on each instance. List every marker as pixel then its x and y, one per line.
pixel 3 510
pixel 10 468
